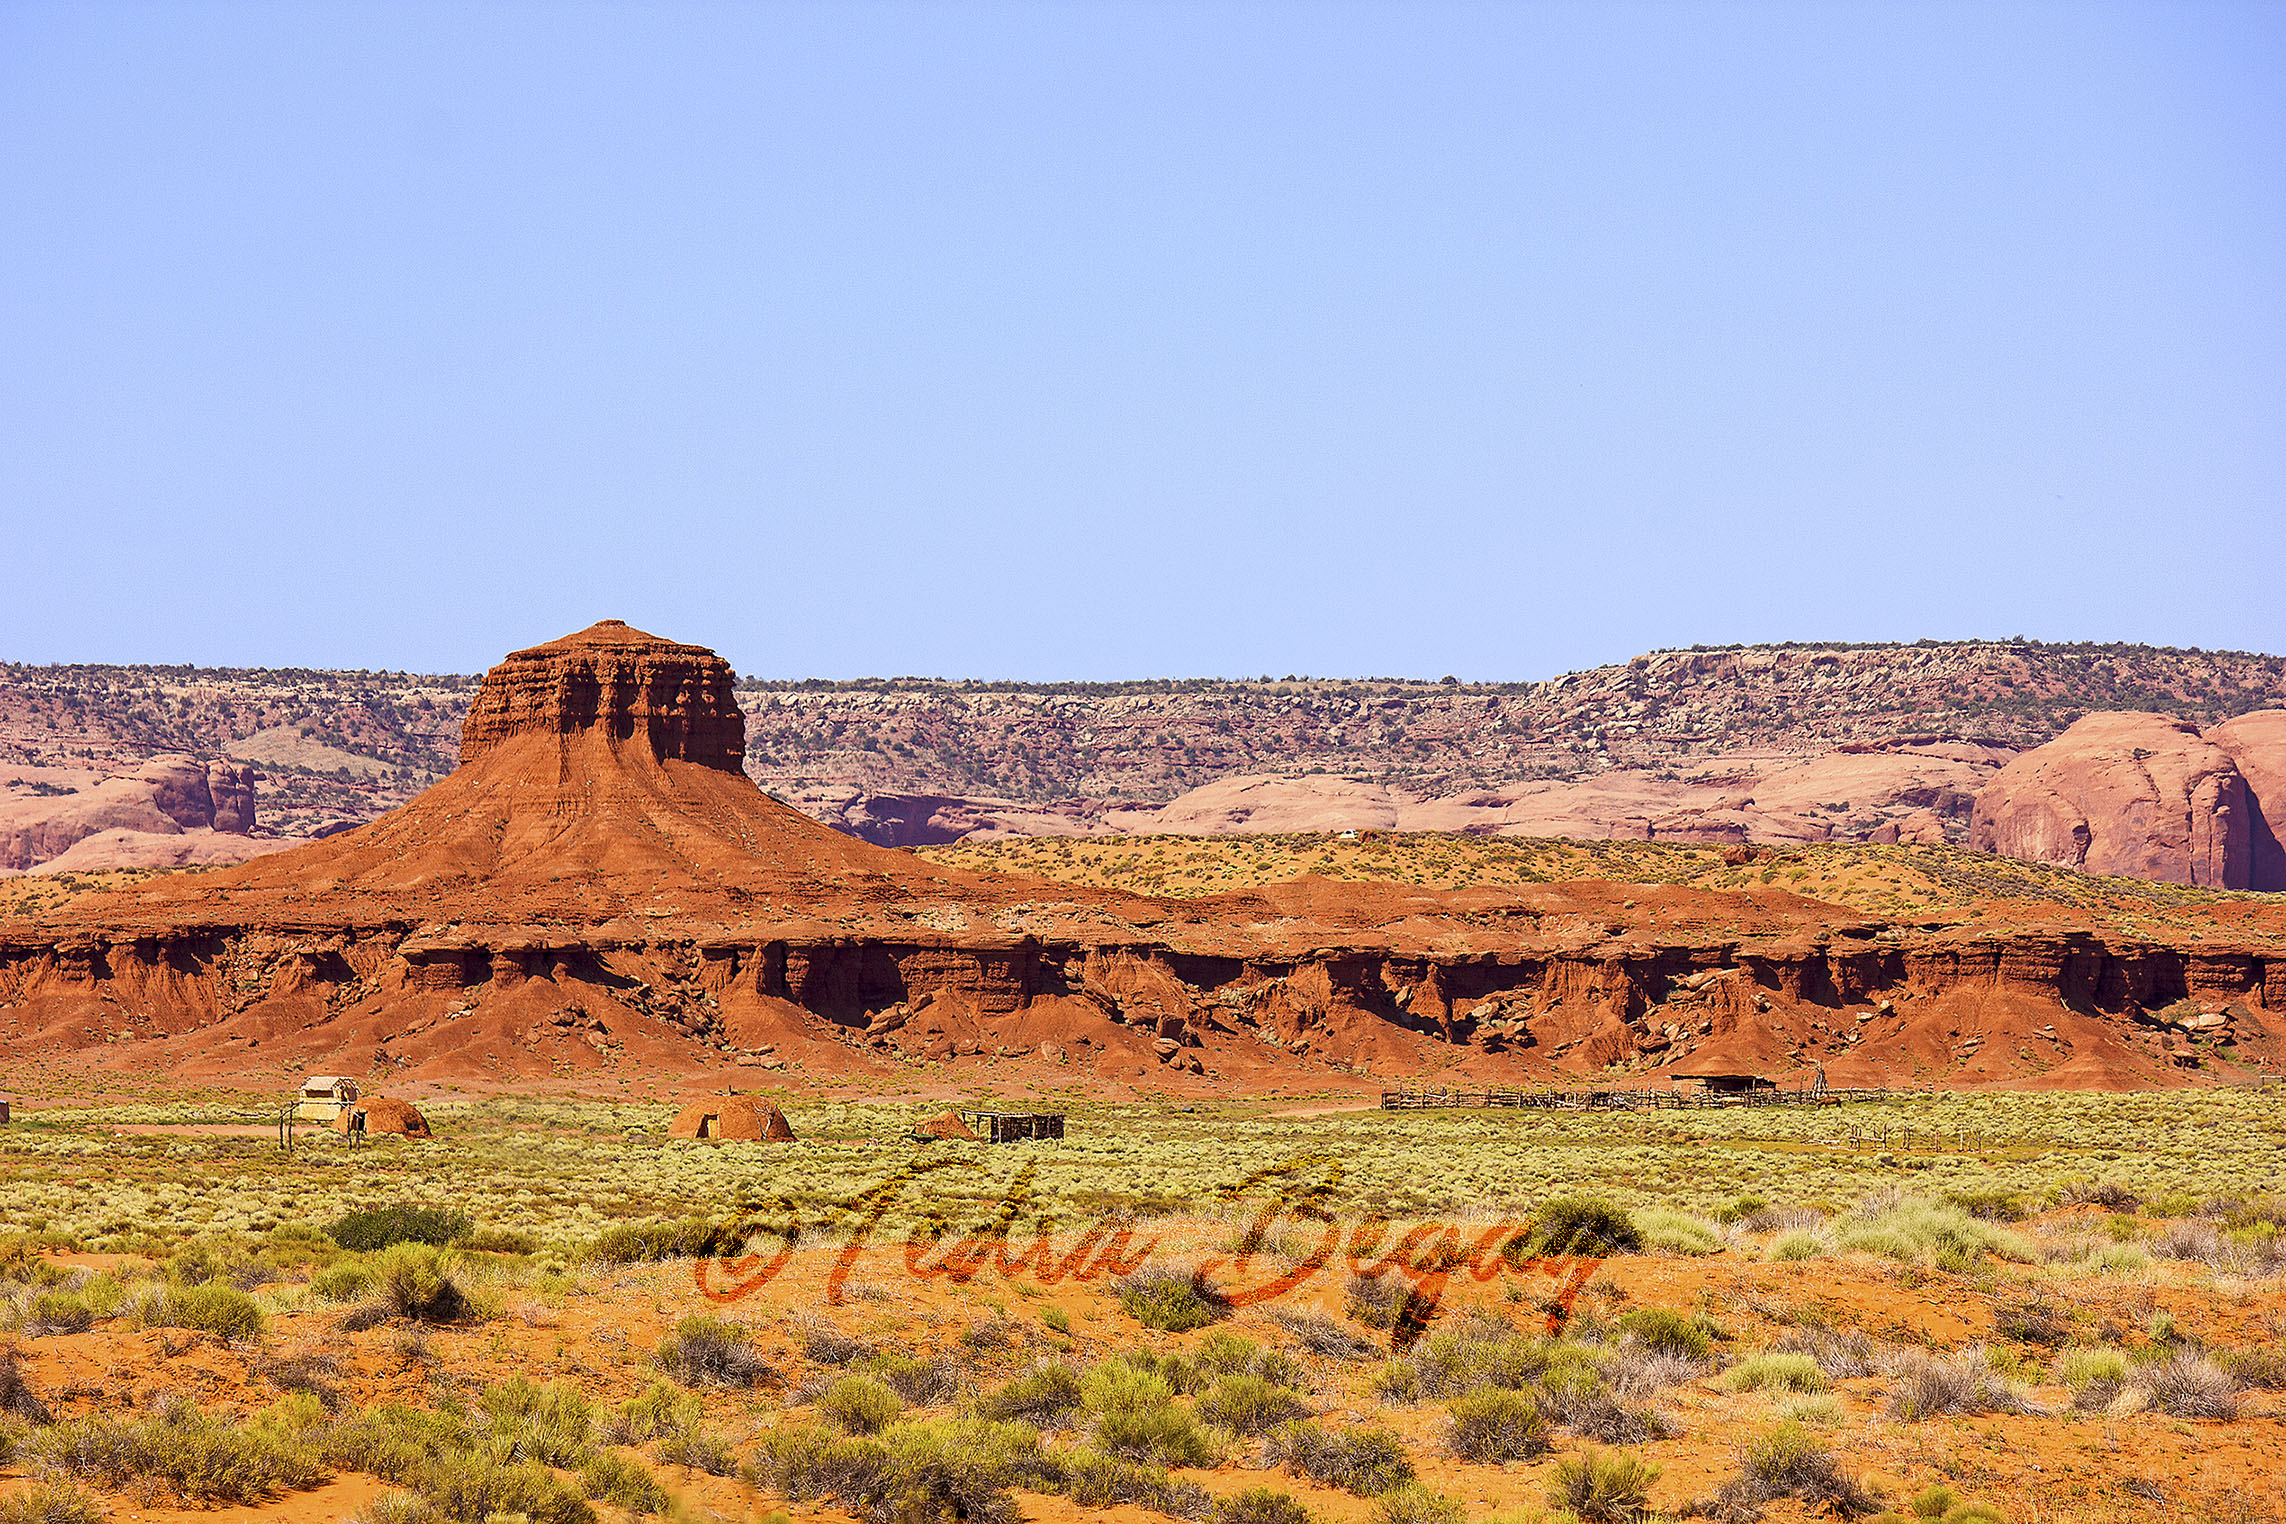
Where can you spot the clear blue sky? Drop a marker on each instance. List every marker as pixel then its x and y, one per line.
pixel 1098 340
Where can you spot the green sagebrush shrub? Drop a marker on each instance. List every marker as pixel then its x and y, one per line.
pixel 704 1351
pixel 1415 1504
pixel 1169 1300
pixel 50 1501
pixel 860 1405
pixel 1040 1397
pixel 623 1482
pixel 1095 1480
pixel 415 1280
pixel 1670 1333
pixel 1788 1462
pixel 345 1282
pixel 1609 1487
pixel 1247 1404
pixel 58 1312
pixel 1259 1505
pixel 401 1223
pixel 1585 1225
pixel 1365 1461
pixel 631 1243
pixel 949 1468
pixel 198 1458
pixel 1494 1426
pixel 527 1421
pixel 224 1311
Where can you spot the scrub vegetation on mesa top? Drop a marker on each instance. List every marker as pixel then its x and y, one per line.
pixel 1924 882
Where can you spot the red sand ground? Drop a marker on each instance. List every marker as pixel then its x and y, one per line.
pixel 2048 1465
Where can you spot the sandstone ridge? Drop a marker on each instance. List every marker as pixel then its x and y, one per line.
pixel 166 797
pixel 595 890
pixel 2146 796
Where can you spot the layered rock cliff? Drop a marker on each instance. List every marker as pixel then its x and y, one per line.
pixel 1773 744
pixel 618 683
pixel 598 886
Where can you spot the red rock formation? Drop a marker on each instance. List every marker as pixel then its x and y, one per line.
pixel 166 796
pixel 2257 744
pixel 2137 795
pixel 601 781
pixel 613 681
pixel 107 851
pixel 230 793
pixel 597 886
pixel 1905 790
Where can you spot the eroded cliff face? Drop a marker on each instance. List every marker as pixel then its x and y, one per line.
pixel 1875 1005
pixel 2256 745
pixel 2136 795
pixel 598 887
pixel 166 796
pixel 617 682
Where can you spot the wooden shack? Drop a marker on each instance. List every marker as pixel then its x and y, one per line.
pixel 1014 1126
pixel 323 1098
pixel 1726 1084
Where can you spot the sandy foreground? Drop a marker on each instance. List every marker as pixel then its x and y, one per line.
pixel 597 1328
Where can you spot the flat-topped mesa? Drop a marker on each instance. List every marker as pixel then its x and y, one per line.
pixel 618 680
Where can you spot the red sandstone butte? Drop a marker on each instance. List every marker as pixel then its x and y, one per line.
pixel 612 681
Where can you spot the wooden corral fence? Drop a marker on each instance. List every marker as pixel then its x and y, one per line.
pixel 1624 1100
pixel 1883 1136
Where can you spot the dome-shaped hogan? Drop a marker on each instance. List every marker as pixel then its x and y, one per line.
pixel 383 1117
pixel 732 1119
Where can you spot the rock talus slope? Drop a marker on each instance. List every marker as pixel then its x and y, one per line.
pixel 599 889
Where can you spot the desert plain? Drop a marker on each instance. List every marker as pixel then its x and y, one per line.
pixel 1403 1176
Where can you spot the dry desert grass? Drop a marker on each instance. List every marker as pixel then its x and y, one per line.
pixel 2091 1347
pixel 1924 883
